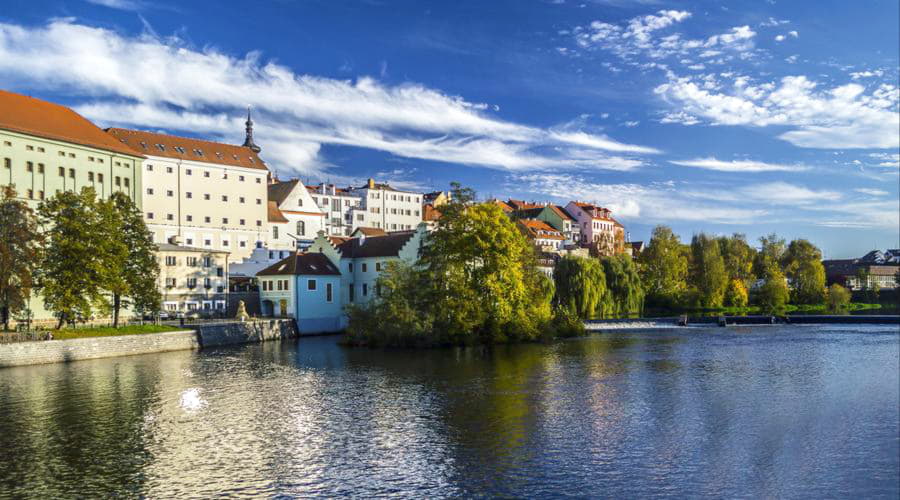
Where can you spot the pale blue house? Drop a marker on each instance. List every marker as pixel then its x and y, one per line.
pixel 307 287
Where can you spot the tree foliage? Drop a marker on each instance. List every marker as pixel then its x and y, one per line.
pixel 708 276
pixel 625 294
pixel 580 286
pixel 773 295
pixel 136 269
pixel 20 245
pixel 664 267
pixel 837 298
pixel 802 264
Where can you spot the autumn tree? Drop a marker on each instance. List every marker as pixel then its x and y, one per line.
pixel 20 244
pixel 771 250
pixel 663 267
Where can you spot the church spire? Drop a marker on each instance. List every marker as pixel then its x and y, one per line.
pixel 248 142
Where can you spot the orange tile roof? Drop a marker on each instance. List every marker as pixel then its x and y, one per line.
pixel 430 213
pixel 503 206
pixel 522 205
pixel 275 214
pixel 535 227
pixel 185 148
pixel 40 118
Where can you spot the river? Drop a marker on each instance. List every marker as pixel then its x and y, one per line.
pixel 779 411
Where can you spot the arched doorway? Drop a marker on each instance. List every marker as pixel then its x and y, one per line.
pixel 268 308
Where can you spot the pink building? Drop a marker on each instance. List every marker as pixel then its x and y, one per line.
pixel 599 230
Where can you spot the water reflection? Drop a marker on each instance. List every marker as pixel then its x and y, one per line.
pixel 776 411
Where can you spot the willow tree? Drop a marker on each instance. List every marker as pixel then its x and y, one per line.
pixel 580 286
pixel 625 294
pixel 20 243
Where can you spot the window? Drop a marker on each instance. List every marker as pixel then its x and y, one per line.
pixel 170 260
pixel 188 195
pixel 224 220
pixel 29 148
pixel 279 284
pixel 242 221
pixel 378 266
pixel 7 163
pixel 149 215
pixel 71 173
pixel 327 292
pixel 170 193
pixel 187 171
pixel 91 176
pixel 127 182
pixel 168 170
pixel 118 181
pixel 310 284
pixel 241 178
pixel 275 232
pixel 100 178
pixel 242 243
pixel 301 228
pixel 170 282
pixel 205 174
pixel 350 267
pixel 258 180
pixel 300 203
pixel 207 220
pixel 207 261
pixel 224 197
pixel 189 241
pixel 207 243
pixel 241 199
pixel 259 223
pixel 364 266
pixel 287 285
pixel 220 272
pixel 225 175
pixel 30 194
pixel 225 243
pixel 149 190
pixel 170 217
pixel 29 166
pixel 62 171
pixel 149 168
pixel 205 196
pixel 351 289
pixel 365 289
pixel 192 282
pixel 258 201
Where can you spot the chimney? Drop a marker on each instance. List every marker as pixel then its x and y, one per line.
pixel 371 183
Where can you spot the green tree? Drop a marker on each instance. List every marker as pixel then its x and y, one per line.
pixel 73 272
pixel 707 272
pixel 625 294
pixel 580 286
pixel 136 270
pixel 837 298
pixel 736 293
pixel 773 294
pixel 770 253
pixel 802 264
pixel 664 267
pixel 738 256
pixel 20 244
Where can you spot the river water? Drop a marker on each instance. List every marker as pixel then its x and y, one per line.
pixel 782 411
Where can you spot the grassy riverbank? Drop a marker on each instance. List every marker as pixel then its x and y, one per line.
pixel 105 331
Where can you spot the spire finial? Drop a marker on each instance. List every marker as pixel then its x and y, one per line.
pixel 248 141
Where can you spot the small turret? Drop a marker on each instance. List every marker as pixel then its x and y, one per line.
pixel 248 141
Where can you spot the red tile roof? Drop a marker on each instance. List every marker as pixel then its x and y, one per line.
pixel 185 148
pixel 539 229
pixel 27 115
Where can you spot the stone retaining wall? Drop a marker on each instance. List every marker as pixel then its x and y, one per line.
pixel 61 351
pixel 218 334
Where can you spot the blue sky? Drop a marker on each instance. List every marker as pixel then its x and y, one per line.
pixel 721 117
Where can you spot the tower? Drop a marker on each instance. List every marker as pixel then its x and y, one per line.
pixel 248 141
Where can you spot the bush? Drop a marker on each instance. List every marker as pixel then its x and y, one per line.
pixel 837 298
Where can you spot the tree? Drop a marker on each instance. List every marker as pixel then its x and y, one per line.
pixel 802 264
pixel 770 252
pixel 837 298
pixel 738 256
pixel 20 243
pixel 136 274
pixel 580 286
pixel 625 294
pixel 736 293
pixel 773 294
pixel 73 271
pixel 707 272
pixel 664 267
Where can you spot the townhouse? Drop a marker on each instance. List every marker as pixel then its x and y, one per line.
pixel 192 279
pixel 599 230
pixel 294 217
pixel 208 194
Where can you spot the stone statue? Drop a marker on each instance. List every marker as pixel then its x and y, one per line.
pixel 242 311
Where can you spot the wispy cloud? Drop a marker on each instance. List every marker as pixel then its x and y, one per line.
pixel 872 192
pixel 739 165
pixel 119 4
pixel 202 92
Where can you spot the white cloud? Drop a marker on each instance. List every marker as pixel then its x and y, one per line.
pixel 739 165
pixel 856 75
pixel 847 116
pixel 794 34
pixel 887 159
pixel 771 22
pixel 632 123
pixel 783 193
pixel 872 192
pixel 148 82
pixel 119 4
pixel 779 38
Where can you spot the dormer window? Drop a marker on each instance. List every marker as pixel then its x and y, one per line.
pixel 143 144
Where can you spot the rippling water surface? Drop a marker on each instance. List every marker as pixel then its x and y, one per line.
pixel 747 412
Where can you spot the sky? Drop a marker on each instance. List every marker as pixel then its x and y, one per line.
pixel 708 116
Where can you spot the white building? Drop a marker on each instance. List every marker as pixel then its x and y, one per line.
pixel 598 228
pixel 386 208
pixel 337 204
pixel 208 194
pixel 294 217
pixel 192 279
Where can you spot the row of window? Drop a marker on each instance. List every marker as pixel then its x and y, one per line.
pixel 192 261
pixel 61 172
pixel 284 285
pixel 63 154
pixel 206 220
pixel 206 196
pixel 206 173
pixel 191 283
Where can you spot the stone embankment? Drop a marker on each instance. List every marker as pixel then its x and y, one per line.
pixel 651 323
pixel 198 337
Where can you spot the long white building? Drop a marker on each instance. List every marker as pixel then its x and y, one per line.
pixel 372 205
pixel 208 194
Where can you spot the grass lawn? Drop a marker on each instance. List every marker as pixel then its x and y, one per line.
pixel 106 331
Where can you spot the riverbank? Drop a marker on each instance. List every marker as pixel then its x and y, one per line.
pixel 95 343
pixel 684 320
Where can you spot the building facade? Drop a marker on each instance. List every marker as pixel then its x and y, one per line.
pixel 207 194
pixel 192 279
pixel 599 230
pixel 306 287
pixel 294 218
pixel 46 148
pixel 385 207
